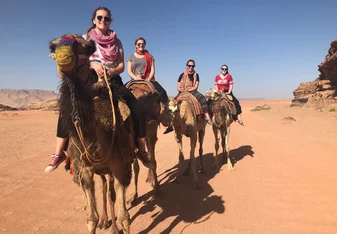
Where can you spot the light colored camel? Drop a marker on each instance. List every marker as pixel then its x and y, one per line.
pixel 186 122
pixel 101 141
pixel 222 119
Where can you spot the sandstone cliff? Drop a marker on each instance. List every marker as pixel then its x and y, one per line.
pixel 323 87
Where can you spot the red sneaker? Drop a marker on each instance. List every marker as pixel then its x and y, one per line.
pixel 55 162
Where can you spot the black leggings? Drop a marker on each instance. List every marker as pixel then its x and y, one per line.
pixel 163 95
pixel 136 108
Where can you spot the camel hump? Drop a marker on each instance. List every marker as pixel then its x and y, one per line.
pixel 192 100
pixel 141 86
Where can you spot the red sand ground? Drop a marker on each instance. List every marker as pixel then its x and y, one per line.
pixel 285 179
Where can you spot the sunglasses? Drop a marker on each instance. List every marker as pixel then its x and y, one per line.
pixel 106 19
pixel 224 69
pixel 140 44
pixel 191 65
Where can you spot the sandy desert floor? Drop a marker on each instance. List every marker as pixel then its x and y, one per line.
pixel 284 182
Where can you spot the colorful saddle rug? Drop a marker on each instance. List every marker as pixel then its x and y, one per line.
pixel 192 100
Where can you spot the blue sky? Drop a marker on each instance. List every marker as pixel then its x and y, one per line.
pixel 269 46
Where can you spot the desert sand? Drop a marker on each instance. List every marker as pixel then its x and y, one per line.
pixel 284 179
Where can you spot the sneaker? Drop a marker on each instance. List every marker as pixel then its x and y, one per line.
pixel 55 162
pixel 168 129
pixel 143 157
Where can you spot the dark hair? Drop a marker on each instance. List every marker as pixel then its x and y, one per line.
pixel 190 60
pixel 140 38
pixel 223 66
pixel 94 15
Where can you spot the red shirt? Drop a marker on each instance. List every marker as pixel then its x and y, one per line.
pixel 223 83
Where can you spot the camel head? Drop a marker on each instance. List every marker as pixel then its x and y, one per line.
pixel 213 95
pixel 71 53
pixel 173 105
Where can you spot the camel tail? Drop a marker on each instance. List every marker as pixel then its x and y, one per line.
pixel 127 174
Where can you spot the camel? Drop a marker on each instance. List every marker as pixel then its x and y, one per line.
pixel 222 109
pixel 101 135
pixel 145 92
pixel 186 121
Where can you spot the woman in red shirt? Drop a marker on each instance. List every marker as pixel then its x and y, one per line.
pixel 224 84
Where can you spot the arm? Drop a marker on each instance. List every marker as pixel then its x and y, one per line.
pixel 230 89
pixel 179 87
pixel 133 76
pixel 120 65
pixel 195 87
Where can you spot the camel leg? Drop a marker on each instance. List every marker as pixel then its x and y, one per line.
pixel 152 173
pixel 112 200
pixel 178 138
pixel 216 164
pixel 103 220
pixel 201 136
pixel 88 186
pixel 193 143
pixel 134 181
pixel 229 163
pixel 123 216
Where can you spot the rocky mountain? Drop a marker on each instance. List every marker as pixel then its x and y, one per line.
pixel 325 85
pixel 23 98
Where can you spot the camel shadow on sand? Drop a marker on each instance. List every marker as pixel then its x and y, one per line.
pixel 241 152
pixel 182 201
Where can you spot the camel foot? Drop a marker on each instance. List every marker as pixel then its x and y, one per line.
pixel 126 225
pixel 103 223
pixel 114 229
pixel 91 227
pixel 133 200
pixel 230 167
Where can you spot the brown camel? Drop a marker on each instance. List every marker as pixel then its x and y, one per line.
pixel 101 136
pixel 222 109
pixel 187 122
pixel 145 92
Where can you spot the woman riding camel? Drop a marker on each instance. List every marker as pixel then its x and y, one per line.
pixel 109 55
pixel 188 81
pixel 224 84
pixel 141 67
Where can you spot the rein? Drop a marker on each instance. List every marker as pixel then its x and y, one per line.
pixel 76 121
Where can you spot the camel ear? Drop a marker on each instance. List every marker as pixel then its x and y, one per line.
pixel 53 44
pixel 89 48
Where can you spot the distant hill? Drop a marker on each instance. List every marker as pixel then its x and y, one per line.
pixel 22 98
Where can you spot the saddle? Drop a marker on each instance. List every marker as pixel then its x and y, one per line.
pixel 230 107
pixel 145 89
pixel 192 100
pixel 141 86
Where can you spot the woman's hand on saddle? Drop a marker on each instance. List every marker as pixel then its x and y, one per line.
pixel 139 77
pixel 98 69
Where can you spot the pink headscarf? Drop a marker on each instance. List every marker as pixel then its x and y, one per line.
pixel 106 46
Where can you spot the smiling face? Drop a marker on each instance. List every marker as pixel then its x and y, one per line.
pixel 102 20
pixel 190 66
pixel 140 45
pixel 224 70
